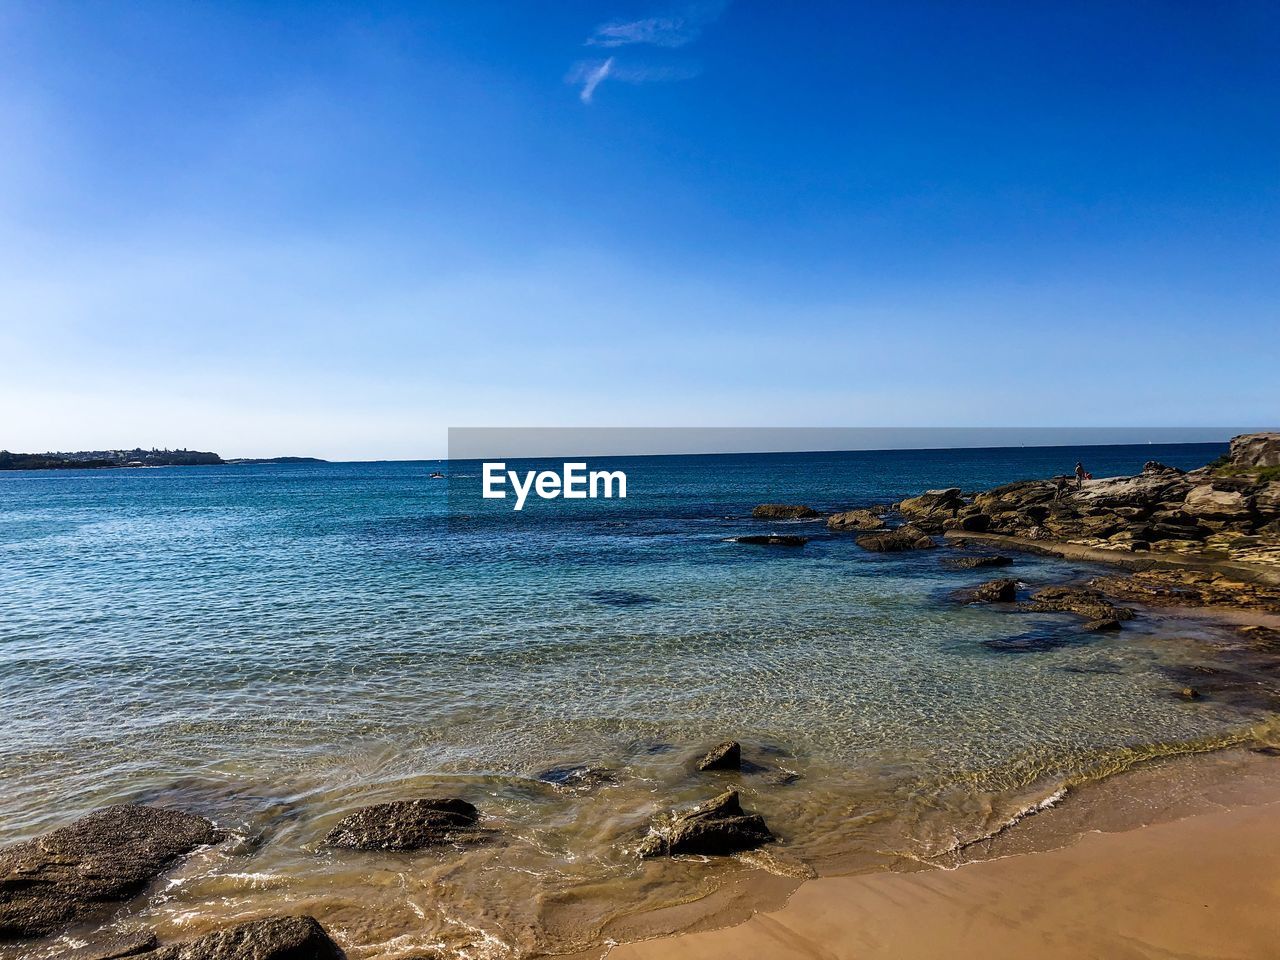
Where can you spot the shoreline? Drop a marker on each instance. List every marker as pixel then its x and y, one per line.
pixel 1255 573
pixel 1195 880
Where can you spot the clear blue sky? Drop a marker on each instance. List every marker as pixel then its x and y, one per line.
pixel 337 229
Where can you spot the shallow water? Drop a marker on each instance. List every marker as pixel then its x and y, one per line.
pixel 275 646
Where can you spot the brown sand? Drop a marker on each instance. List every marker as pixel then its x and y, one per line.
pixel 1200 888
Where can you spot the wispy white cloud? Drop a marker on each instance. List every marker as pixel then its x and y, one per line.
pixel 673 30
pixel 589 73
pixel 670 31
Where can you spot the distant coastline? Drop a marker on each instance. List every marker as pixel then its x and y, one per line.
pixel 137 457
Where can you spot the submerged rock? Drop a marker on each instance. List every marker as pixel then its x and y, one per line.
pixel 715 828
pixel 773 540
pixel 855 520
pixel 1105 625
pixel 275 938
pixel 115 946
pixel 726 756
pixel 784 511
pixel 582 776
pixel 407 825
pixel 974 563
pixel 74 872
pixel 906 537
pixel 1083 601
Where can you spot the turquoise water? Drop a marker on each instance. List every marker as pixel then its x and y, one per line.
pixel 276 645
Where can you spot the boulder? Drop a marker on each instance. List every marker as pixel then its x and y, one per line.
pixel 1266 499
pixel 855 520
pixel 784 511
pixel 1204 500
pixel 978 562
pixel 726 756
pixel 76 872
pixel 972 523
pixel 715 828
pixel 275 938
pixel 773 540
pixel 906 537
pixel 932 507
pixel 407 825
pixel 993 591
pixel 1252 451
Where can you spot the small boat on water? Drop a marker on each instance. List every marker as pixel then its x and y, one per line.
pixel 437 475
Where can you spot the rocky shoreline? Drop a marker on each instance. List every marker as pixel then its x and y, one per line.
pixel 1205 538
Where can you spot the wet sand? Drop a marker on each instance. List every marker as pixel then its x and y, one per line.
pixel 1202 887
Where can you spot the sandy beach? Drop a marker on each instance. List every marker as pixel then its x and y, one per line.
pixel 1202 887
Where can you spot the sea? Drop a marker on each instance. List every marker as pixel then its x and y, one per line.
pixel 277 645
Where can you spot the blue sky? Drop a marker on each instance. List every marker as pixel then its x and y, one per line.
pixel 338 229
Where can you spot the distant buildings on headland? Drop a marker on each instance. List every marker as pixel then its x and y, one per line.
pixel 137 457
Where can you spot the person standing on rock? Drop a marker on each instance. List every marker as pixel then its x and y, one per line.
pixel 1080 475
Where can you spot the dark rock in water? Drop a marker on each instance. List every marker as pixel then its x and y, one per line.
pixel 785 778
pixel 407 825
pixel 906 537
pixel 855 520
pixel 1190 693
pixel 577 777
pixel 726 756
pixel 622 598
pixel 74 872
pixel 1266 751
pixel 1107 625
pixel 993 591
pixel 715 828
pixel 773 540
pixel 113 947
pixel 1155 466
pixel 784 511
pixel 1083 601
pixel 275 938
pixel 973 563
pixel 1037 641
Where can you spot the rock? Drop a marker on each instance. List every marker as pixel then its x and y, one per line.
pixel 993 591
pixel 773 540
pixel 1155 466
pixel 1106 625
pixel 855 520
pixel 905 537
pixel 972 523
pixel 1190 693
pixel 113 947
pixel 75 872
pixel 784 511
pixel 1266 499
pixel 407 825
pixel 715 828
pixel 275 938
pixel 726 756
pixel 1251 451
pixel 1188 588
pixel 580 776
pixel 1204 500
pixel 932 507
pixel 974 563
pixel 1084 601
